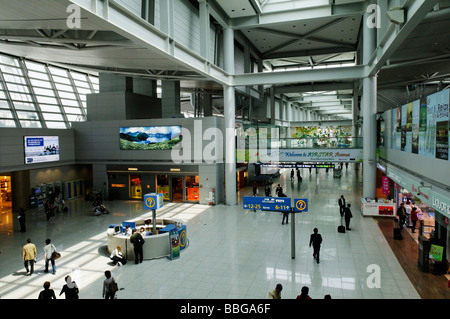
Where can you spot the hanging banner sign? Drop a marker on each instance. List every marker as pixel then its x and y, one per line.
pixel 321 155
pixel 280 204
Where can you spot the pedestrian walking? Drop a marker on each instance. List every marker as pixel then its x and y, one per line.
pixel 347 215
pixel 315 240
pixel 285 217
pixel 49 249
pixel 304 294
pixel 414 219
pixel 109 286
pixel 22 220
pixel 137 241
pixel 255 188
pixel 276 293
pixel 299 177
pixel 70 289
pixel 47 293
pixel 29 256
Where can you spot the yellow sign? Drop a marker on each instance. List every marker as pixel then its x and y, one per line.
pixel 150 202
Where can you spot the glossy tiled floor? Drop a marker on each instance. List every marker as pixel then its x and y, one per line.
pixel 232 253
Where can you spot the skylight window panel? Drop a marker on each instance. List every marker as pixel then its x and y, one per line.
pixel 46 99
pixel 38 75
pixel 72 110
pixel 49 108
pixel 13 78
pixel 35 66
pixel 6 114
pixel 52 117
pixel 75 117
pixel 19 105
pixel 41 91
pixel 64 87
pixel 67 95
pixel 59 79
pixel 56 125
pixel 82 85
pixel 58 72
pixel 17 87
pixel 67 102
pixel 30 124
pixel 20 96
pixel 40 83
pixel 7 123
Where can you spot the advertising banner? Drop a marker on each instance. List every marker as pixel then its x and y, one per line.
pixel 436 252
pixel 385 185
pixel 174 245
pixel 40 149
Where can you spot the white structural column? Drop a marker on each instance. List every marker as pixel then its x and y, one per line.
pixel 229 110
pixel 369 111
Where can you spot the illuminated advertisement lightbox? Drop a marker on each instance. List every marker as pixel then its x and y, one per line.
pixel 149 137
pixel 41 149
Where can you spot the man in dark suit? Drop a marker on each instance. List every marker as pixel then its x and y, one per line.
pixel 347 216
pixel 315 241
pixel 341 203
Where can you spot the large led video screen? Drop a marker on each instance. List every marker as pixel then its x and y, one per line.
pixel 150 137
pixel 41 149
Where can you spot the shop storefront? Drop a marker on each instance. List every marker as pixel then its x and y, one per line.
pixel 432 227
pixel 176 183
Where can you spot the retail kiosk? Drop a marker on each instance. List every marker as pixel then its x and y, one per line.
pixel 378 207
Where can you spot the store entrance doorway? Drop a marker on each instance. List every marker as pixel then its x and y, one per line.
pixel 6 219
pixel 177 189
pixel 135 187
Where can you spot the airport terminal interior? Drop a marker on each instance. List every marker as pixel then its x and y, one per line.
pixel 186 117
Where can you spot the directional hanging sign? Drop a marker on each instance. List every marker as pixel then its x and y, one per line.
pixel 301 204
pixel 279 204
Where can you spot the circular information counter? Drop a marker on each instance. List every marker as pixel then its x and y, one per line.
pixel 155 246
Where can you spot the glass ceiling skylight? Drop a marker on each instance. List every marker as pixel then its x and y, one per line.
pixel 36 95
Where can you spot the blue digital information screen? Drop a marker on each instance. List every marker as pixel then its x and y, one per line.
pixel 279 204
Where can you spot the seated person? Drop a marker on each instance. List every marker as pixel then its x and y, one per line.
pixel 128 230
pixel 117 256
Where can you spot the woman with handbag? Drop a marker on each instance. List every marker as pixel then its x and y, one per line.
pixel 109 286
pixel 50 255
pixel 70 289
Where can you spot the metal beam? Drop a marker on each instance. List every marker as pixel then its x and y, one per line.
pixel 303 76
pixel 300 88
pixel 293 15
pixel 415 12
pixel 118 19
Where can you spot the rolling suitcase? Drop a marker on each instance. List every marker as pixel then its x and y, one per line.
pixel 341 228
